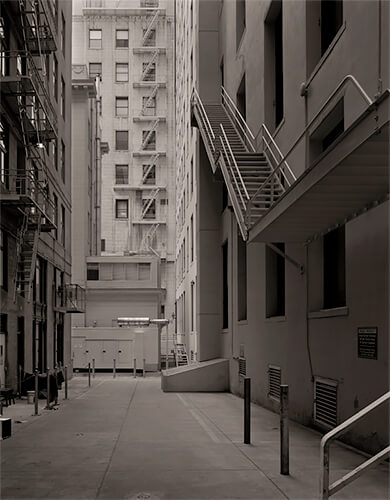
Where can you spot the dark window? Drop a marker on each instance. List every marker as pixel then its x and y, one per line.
pixel 55 202
pixel 121 174
pixel 102 245
pixel 122 209
pixel 121 140
pixel 63 34
pixel 63 97
pixel 151 40
pixel 63 222
pixel 334 269
pixel 225 287
pixel 240 20
pixel 275 282
pixel 331 127
pixel 122 39
pixel 95 69
pixel 241 278
pixel 148 208
pixel 241 98
pixel 3 323
pixel 3 260
pixel 121 106
pixel 331 21
pixel 92 272
pixel 63 161
pixel 148 174
pixel 150 76
pixel 55 77
pixel 148 140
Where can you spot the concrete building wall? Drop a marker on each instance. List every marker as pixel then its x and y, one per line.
pixel 306 342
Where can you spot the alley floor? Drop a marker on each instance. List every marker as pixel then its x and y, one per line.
pixel 124 438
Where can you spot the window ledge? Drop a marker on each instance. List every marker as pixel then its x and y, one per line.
pixel 329 313
pixel 275 319
pixel 225 330
pixel 242 322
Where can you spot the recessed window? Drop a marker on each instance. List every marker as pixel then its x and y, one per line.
pixel 121 106
pixel 148 208
pixel 121 140
pixel 149 106
pixel 63 161
pixel 95 39
pixel 240 20
pixel 151 39
pixel 122 72
pixel 102 245
pixel 95 69
pixel 122 39
pixel 149 140
pixel 121 174
pixel 63 89
pixel 92 271
pixel 63 34
pixel 55 77
pixel 150 75
pixel 148 174
pixel 331 127
pixel 275 282
pixel 122 209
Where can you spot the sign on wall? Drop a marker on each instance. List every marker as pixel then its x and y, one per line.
pixel 368 342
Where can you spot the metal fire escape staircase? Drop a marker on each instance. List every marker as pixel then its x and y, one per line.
pixel 29 100
pixel 254 180
pixel 148 204
pixel 147 239
pixel 148 136
pixel 149 100
pixel 152 21
pixel 146 76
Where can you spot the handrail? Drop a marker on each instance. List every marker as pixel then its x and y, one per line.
pixel 344 81
pixel 205 118
pixel 264 127
pixel 234 177
pixel 327 490
pixel 231 106
pixel 235 164
pixel 274 157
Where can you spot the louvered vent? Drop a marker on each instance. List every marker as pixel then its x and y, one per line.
pixel 274 381
pixel 325 402
pixel 242 367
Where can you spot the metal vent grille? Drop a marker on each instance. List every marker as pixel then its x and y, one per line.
pixel 325 402
pixel 274 381
pixel 242 367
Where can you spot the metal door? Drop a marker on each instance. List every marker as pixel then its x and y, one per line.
pixel 125 354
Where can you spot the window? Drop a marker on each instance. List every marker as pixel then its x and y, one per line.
pixel 63 34
pixel 275 281
pixel 95 69
pixel 63 164
pixel 241 278
pixel 149 3
pixel 323 20
pixel 55 202
pixel 4 171
pixel 150 76
pixel 240 20
pixel 121 140
pixel 122 72
pixel 122 39
pixel 192 238
pixel 121 106
pixel 334 268
pixel 331 127
pixel 63 222
pixel 273 47
pixel 55 77
pixel 151 40
pixel 148 106
pixel 148 208
pixel 241 97
pixel 122 209
pixel 144 271
pixel 95 39
pixel 102 245
pixel 3 260
pixel 63 97
pixel 4 42
pixel 92 272
pixel 225 287
pixel 149 140
pixel 121 174
pixel 148 174
pixel 192 306
pixel 55 153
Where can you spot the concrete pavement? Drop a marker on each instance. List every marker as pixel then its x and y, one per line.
pixel 125 439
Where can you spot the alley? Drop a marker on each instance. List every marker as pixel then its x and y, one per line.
pixel 125 439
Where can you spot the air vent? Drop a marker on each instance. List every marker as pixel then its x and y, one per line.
pixel 274 381
pixel 242 367
pixel 325 402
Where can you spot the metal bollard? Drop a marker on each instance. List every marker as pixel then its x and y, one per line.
pixel 48 389
pixel 114 369
pixel 20 381
pixel 135 368
pixel 284 436
pixel 247 410
pixel 36 395
pixel 93 368
pixel 89 374
pixel 143 367
pixel 66 381
pixel 56 376
pixel 1 408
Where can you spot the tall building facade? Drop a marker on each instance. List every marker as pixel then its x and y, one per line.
pixel 35 184
pixel 129 46
pixel 283 247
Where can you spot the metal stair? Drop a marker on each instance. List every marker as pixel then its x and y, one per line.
pixel 181 355
pixel 254 180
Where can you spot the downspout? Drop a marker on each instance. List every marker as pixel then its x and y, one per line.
pixel 307 311
pixel 380 83
pixel 98 167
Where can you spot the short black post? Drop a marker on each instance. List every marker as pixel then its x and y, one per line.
pixel 93 368
pixel 135 367
pixel 36 394
pixel 56 377
pixel 143 367
pixel 66 382
pixel 114 368
pixel 48 389
pixel 89 374
pixel 284 436
pixel 20 381
pixel 247 410
pixel 1 407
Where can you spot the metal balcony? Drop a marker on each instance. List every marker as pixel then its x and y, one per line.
pixel 39 25
pixel 72 297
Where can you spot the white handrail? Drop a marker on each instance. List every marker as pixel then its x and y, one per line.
pixel 327 490
pixel 277 149
pixel 209 130
pixel 225 94
pixel 231 110
pixel 233 175
pixel 235 163
pixel 274 157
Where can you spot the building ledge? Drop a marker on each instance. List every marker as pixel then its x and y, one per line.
pixel 138 187
pixel 329 313
pixel 149 153
pixel 143 50
pixel 148 118
pixel 161 85
pixel 151 221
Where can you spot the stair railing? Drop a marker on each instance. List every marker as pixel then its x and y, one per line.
pixel 236 116
pixel 327 490
pixel 269 146
pixel 205 121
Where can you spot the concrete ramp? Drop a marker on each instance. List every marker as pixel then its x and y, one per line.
pixel 205 376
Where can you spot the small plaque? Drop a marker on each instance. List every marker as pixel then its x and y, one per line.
pixel 368 342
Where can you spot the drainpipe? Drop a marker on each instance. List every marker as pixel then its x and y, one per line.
pixel 307 311
pixel 379 88
pixel 98 160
